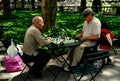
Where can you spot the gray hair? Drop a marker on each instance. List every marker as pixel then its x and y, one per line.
pixel 87 12
pixel 36 19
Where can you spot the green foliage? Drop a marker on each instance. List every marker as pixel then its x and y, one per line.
pixel 68 24
pixel 115 4
pixel 17 24
pixel 16 33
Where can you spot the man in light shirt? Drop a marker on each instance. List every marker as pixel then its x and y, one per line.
pixel 90 33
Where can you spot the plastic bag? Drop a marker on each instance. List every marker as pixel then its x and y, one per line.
pixel 13 64
pixel 12 50
pixel 19 48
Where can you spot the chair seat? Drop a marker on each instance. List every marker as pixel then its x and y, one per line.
pixel 91 63
pixel 90 68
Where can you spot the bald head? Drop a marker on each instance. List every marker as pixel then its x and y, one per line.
pixel 37 21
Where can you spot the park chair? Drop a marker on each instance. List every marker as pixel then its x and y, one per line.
pixel 27 65
pixel 95 57
pixel 2 52
pixel 92 63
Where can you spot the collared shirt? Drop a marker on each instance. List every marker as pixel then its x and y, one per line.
pixel 92 28
pixel 33 39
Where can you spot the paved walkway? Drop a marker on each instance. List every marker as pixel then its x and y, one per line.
pixel 109 73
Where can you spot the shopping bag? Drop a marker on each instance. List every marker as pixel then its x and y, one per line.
pixel 13 64
pixel 19 49
pixel 12 50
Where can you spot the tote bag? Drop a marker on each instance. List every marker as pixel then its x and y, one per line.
pixel 13 64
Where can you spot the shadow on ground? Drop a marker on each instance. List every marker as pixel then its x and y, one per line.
pixel 48 74
pixel 3 79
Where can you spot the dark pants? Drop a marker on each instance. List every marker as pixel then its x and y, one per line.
pixel 40 61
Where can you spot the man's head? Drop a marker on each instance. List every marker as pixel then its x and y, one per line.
pixel 38 22
pixel 88 14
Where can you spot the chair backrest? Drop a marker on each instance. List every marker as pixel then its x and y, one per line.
pixel 91 63
pixel 92 54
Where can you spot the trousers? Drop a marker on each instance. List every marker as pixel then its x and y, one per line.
pixel 77 54
pixel 40 60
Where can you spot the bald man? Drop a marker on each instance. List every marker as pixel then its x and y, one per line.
pixel 31 53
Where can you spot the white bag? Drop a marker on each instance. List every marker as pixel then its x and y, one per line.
pixel 19 47
pixel 12 50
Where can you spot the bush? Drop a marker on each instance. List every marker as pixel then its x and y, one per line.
pixel 68 24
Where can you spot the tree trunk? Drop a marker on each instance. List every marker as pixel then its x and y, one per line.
pixel 6 8
pixel 96 6
pixel 49 10
pixel 33 6
pixel 15 4
pixel 83 5
pixel 22 1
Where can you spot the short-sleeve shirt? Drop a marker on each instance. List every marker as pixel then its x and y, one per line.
pixel 33 39
pixel 92 28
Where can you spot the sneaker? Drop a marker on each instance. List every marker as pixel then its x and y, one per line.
pixel 60 64
pixel 68 63
pixel 67 68
pixel 35 75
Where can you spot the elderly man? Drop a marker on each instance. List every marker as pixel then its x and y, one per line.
pixel 31 53
pixel 90 33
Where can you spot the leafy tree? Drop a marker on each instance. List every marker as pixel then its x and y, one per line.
pixel 49 10
pixel 32 2
pixel 15 4
pixel 83 5
pixel 23 1
pixel 96 6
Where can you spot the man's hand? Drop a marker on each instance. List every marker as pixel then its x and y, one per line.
pixel 79 35
pixel 48 39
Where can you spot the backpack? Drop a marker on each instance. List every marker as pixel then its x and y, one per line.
pixel 105 41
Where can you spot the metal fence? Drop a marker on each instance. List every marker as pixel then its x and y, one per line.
pixel 104 9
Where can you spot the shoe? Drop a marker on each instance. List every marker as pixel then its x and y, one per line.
pixel 67 68
pixel 67 63
pixel 60 65
pixel 35 75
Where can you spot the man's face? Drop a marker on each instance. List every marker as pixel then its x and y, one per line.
pixel 40 24
pixel 88 18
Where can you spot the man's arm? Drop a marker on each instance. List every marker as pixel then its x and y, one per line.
pixel 79 35
pixel 93 37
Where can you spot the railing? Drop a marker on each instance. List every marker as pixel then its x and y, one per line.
pixel 73 8
pixel 104 9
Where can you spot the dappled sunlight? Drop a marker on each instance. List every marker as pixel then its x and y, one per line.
pixel 8 75
pixel 35 14
pixel 117 60
pixel 110 72
pixel 8 23
pixel 112 79
pixel 117 64
pixel 1 68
